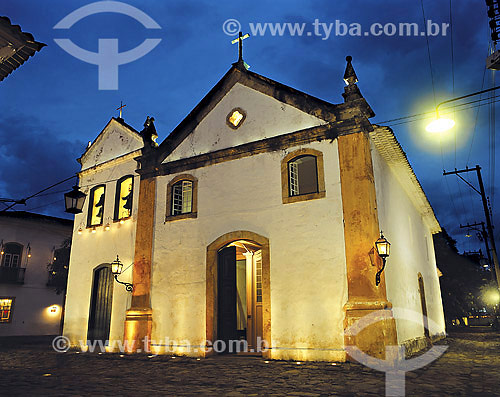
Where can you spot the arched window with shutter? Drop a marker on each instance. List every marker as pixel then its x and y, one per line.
pixel 302 176
pixel 182 197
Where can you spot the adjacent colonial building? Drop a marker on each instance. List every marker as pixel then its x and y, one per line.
pixel 29 303
pixel 255 219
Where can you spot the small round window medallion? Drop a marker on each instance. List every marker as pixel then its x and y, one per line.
pixel 235 118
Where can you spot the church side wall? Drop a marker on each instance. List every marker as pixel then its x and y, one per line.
pixel 412 252
pixel 90 250
pixel 307 260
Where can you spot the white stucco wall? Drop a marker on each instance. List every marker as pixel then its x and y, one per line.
pixel 265 117
pixel 412 252
pixel 31 314
pixel 114 140
pixel 307 259
pixel 90 250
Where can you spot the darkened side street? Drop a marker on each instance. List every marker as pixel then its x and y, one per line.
pixel 470 367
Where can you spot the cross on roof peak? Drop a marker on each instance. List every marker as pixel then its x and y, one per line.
pixel 239 40
pixel 120 108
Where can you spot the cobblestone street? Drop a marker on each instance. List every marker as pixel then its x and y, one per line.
pixel 470 366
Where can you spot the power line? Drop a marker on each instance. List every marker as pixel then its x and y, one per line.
pixel 44 205
pixel 428 51
pixel 492 144
pixel 62 191
pixel 452 70
pixel 477 115
pixel 432 113
pixel 36 194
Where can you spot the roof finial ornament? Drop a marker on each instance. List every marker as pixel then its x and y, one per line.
pixel 350 77
pixel 149 133
pixel 239 40
pixel 351 90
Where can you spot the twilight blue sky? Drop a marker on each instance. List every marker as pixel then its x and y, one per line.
pixel 51 106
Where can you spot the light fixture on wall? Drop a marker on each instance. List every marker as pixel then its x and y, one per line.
pixel 383 250
pixel 116 269
pixel 53 310
pixel 74 200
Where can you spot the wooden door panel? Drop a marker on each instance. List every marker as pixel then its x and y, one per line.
pixel 226 282
pixel 100 305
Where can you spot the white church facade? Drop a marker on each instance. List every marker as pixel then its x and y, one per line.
pixel 255 220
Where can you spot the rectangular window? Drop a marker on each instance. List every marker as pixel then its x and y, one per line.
pixel 182 197
pixel 15 260
pixel 6 306
pixel 177 199
pixel 294 179
pixel 11 260
pixel 303 176
pixel 258 276
pixel 124 197
pixel 96 206
pixel 7 260
pixel 187 196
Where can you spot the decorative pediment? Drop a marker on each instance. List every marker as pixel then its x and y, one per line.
pixel 114 141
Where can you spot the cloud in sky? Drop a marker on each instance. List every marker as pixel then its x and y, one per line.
pixel 33 157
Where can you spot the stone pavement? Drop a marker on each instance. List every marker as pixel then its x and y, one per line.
pixel 470 367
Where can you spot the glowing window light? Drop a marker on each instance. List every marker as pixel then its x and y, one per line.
pixel 235 118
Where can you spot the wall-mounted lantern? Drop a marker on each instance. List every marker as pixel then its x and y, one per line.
pixel 74 200
pixel 116 269
pixel 383 250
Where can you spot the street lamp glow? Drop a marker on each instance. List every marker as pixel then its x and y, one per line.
pixel 440 124
pixel 492 297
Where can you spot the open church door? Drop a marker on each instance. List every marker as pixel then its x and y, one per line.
pixel 226 295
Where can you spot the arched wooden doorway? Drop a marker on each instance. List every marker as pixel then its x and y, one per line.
pixel 227 298
pixel 100 304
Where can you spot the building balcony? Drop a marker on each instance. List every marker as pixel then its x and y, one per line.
pixel 12 275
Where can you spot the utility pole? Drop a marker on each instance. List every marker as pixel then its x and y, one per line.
pixel 489 225
pixel 485 238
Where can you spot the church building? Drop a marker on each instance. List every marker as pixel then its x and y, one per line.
pixel 255 220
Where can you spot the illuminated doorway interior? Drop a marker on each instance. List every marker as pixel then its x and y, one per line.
pixel 239 298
